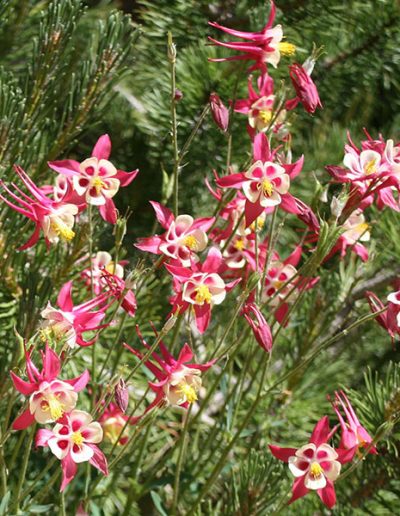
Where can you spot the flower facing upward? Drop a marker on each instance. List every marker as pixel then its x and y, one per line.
pixel 73 440
pixel 315 465
pixel 94 181
pixel 49 397
pixel 183 239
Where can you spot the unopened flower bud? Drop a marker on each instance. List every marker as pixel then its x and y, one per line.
pixel 171 49
pixel 337 206
pixel 119 231
pixel 121 395
pixel 178 95
pixel 219 112
pixel 170 323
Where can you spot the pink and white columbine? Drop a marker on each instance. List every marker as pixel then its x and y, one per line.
pixel 55 219
pixel 96 180
pixel 101 262
pixel 200 287
pixel 262 47
pixel 178 381
pixel 74 440
pixel 184 237
pixel 69 322
pixel 49 397
pixel 315 465
pixel 356 231
pixel 266 183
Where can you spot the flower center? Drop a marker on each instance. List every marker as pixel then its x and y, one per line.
pixel 98 184
pixel 267 187
pixel 370 167
pixel 191 242
pixel 188 391
pixel 265 115
pixel 286 49
pixel 61 229
pixel 316 470
pixel 52 404
pixel 203 294
pixel 77 438
pixel 239 244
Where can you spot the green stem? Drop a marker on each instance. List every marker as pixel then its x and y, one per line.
pixel 181 455
pixel 174 129
pixel 22 472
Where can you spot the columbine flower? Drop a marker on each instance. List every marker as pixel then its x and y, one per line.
pixel 73 440
pixel 178 381
pixel 356 231
pixel 354 435
pixel 113 420
pixel 259 106
pixel 219 111
pixel 69 322
pixel 200 287
pixel 263 47
pixel 49 397
pixel 240 251
pixel 101 262
pixel 95 180
pixel 55 219
pixel 184 238
pixel 314 465
pixel 389 319
pixel 306 90
pixel 266 183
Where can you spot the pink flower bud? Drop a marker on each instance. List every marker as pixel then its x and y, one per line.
pixel 178 95
pixel 121 395
pixel 306 90
pixel 219 112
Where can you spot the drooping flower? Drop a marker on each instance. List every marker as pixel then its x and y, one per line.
pixel 266 183
pixel 95 180
pixel 354 435
pixel 178 380
pixel 200 287
pixel 184 237
pixel 49 397
pixel 219 111
pixel 74 440
pixel 259 326
pixel 118 289
pixel 102 262
pixel 69 322
pixel 262 47
pixel 389 315
pixel 55 219
pixel 113 420
pixel 315 465
pixel 306 90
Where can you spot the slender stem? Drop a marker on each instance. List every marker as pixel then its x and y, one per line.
pixel 22 472
pixel 181 455
pixel 174 129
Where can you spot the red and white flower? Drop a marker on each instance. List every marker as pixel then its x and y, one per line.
pixel 74 440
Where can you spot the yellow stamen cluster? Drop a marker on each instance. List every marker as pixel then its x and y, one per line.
pixel 239 244
pixel 267 187
pixel 260 224
pixel 316 470
pixel 77 438
pixel 286 49
pixel 203 294
pixel 265 116
pixel 98 184
pixel 191 242
pixel 62 230
pixel 188 391
pixel 53 404
pixel 362 227
pixel 370 167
